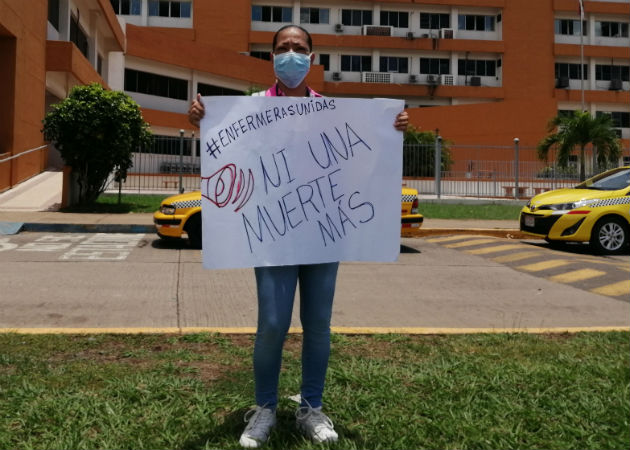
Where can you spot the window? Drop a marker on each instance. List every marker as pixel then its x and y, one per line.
pixel 324 60
pixel 53 13
pixel 476 23
pixel 169 145
pixel 210 89
pixel 356 17
pixel 394 64
pixel 78 37
pixel 477 67
pixel 619 119
pixel 611 29
pixel 261 55
pixel 153 84
pixel 569 27
pixel 435 66
pixel 99 64
pixel 356 63
pixel 607 72
pixel 170 8
pixel 571 71
pixel 127 7
pixel 272 13
pixel 314 15
pixel 434 21
pixel 396 19
pixel 565 113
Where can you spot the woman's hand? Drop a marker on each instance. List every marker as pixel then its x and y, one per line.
pixel 196 111
pixel 402 120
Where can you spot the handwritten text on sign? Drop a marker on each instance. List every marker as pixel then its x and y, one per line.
pixel 289 180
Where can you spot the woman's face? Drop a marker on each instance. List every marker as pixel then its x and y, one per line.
pixel 291 39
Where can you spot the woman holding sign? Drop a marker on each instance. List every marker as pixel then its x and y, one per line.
pixel 292 58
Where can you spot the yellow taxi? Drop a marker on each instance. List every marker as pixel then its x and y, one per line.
pixel 595 211
pixel 181 214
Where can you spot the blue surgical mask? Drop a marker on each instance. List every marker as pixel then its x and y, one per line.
pixel 291 68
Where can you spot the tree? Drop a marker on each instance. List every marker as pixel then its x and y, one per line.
pixel 419 153
pixel 96 131
pixel 566 132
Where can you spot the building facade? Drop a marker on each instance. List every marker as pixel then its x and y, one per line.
pixel 481 72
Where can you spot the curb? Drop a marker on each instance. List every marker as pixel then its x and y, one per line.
pixel 87 228
pixel 508 233
pixel 39 227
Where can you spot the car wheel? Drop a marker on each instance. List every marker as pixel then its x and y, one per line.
pixel 609 235
pixel 193 228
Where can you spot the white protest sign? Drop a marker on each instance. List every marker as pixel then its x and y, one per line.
pixel 292 180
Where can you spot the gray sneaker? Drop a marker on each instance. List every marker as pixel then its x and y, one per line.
pixel 315 425
pixel 260 421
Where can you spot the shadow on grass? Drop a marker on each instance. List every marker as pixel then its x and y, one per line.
pixel 284 435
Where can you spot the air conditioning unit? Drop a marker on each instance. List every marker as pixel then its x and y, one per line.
pixel 446 33
pixel 433 79
pixel 410 35
pixel 376 77
pixel 447 80
pixel 339 28
pixel 377 30
pixel 562 82
pixel 413 78
pixel 336 76
pixel 475 81
pixel 615 85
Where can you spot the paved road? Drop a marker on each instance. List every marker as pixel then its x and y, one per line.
pixel 572 264
pixel 135 282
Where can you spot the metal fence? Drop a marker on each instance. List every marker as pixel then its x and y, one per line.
pixel 172 164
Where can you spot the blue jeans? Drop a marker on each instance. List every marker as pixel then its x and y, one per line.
pixel 276 293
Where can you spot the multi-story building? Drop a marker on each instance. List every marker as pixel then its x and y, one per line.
pixel 46 47
pixel 479 71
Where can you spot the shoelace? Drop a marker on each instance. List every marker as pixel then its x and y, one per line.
pixel 313 416
pixel 259 416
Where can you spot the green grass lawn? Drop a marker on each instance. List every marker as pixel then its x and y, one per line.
pixel 503 391
pixel 470 211
pixel 129 203
pixel 143 203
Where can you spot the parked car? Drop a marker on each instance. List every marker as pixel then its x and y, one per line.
pixel 595 211
pixel 181 214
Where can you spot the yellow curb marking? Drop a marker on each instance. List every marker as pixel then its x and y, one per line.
pixel 620 288
pixel 470 243
pixel 450 238
pixel 495 249
pixel 295 330
pixel 517 256
pixel 577 275
pixel 544 265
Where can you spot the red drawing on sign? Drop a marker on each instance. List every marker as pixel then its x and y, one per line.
pixel 222 187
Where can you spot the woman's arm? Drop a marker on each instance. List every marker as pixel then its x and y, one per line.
pixel 402 120
pixel 196 111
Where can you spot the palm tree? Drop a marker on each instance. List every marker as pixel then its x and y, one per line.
pixel 581 129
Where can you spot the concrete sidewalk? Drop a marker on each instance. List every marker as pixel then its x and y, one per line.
pixel 51 221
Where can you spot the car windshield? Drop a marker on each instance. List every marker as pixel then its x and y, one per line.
pixel 608 181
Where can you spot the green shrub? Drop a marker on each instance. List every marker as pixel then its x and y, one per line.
pixel 96 132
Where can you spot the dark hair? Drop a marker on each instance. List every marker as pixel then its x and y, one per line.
pixel 309 40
